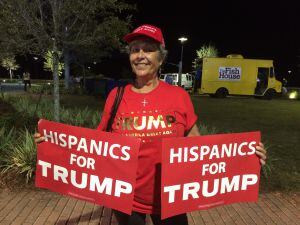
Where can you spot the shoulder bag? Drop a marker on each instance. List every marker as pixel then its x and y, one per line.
pixel 118 98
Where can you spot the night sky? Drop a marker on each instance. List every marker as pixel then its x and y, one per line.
pixel 255 29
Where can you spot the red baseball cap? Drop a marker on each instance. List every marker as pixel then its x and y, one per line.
pixel 148 31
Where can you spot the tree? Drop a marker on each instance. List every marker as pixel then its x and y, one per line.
pixel 36 27
pixel 10 64
pixel 204 51
pixel 48 64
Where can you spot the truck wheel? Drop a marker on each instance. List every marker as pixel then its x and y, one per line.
pixel 270 93
pixel 221 93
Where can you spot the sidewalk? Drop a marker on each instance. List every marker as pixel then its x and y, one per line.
pixel 43 207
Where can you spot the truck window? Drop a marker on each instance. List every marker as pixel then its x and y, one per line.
pixel 272 72
pixel 263 76
pixel 175 77
pixel 263 72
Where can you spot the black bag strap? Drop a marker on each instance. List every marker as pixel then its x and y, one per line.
pixel 117 101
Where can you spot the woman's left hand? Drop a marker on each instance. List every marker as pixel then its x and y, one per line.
pixel 261 152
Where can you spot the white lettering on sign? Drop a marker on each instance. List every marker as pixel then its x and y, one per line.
pixel 196 153
pixel 206 189
pixel 230 73
pixel 101 148
pixel 81 180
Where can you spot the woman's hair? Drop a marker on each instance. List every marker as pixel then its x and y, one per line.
pixel 162 51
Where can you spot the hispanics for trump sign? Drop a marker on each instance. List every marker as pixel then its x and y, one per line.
pixel 87 164
pixel 207 171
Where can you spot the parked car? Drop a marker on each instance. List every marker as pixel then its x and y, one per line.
pixel 172 78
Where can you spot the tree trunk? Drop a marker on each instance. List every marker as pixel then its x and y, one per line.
pixel 10 74
pixel 67 69
pixel 56 83
pixel 83 68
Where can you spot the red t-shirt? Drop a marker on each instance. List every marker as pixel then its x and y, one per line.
pixel 166 111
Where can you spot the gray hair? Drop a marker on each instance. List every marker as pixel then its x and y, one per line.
pixel 163 53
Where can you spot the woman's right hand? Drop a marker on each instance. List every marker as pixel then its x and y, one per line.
pixel 38 138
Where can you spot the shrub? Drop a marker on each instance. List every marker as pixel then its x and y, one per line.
pixel 28 112
pixel 17 153
pixel 6 140
pixel 205 130
pixel 81 117
pixel 270 165
pixel 22 157
pixel 45 89
pixel 17 148
pixel 75 90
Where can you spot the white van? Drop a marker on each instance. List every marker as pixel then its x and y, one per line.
pixel 172 78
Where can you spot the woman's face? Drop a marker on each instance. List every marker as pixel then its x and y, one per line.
pixel 145 58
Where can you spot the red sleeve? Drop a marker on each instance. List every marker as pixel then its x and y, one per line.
pixel 190 115
pixel 107 110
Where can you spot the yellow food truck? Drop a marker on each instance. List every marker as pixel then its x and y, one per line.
pixel 235 75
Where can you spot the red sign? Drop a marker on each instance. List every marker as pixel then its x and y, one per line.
pixel 87 164
pixel 207 171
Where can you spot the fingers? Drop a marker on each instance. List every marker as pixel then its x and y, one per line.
pixel 261 152
pixel 36 135
pixel 38 138
pixel 261 155
pixel 261 148
pixel 262 162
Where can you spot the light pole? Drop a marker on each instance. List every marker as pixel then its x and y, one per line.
pixel 182 40
pixel 35 65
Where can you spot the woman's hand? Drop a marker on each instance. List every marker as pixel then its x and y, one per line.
pixel 194 131
pixel 261 152
pixel 38 138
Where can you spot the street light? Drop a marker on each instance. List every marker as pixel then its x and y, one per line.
pixel 182 40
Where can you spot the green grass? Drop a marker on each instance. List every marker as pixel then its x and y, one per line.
pixel 279 122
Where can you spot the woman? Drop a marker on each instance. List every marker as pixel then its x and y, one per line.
pixel 151 110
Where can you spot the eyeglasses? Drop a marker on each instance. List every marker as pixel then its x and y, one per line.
pixel 148 48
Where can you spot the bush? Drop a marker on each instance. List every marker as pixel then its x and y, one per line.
pixel 17 153
pixel 18 122
pixel 81 117
pixel 21 157
pixel 17 147
pixel 205 130
pixel 76 90
pixel 270 165
pixel 6 140
pixel 45 89
pixel 29 112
